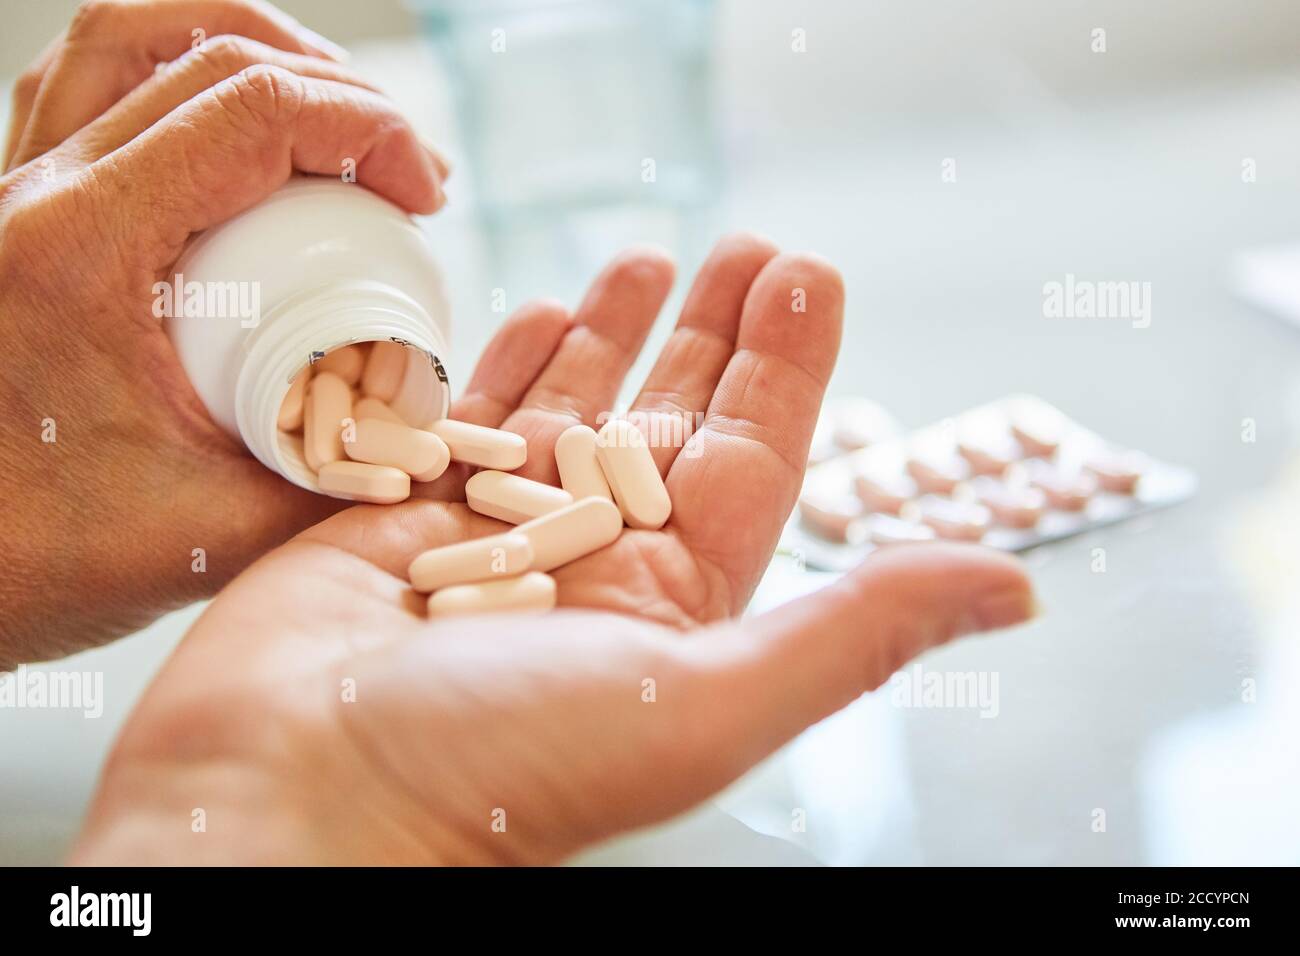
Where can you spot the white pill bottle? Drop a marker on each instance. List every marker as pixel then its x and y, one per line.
pixel 317 265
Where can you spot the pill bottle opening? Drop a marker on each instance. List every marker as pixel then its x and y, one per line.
pixel 353 314
pixel 422 400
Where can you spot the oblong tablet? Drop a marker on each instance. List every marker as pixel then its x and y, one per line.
pixel 580 473
pixel 1064 489
pixel 955 520
pixel 482 559
pixel 513 498
pixel 422 455
pixel 485 447
pixel 357 481
pixel 937 473
pixel 1117 471
pixel 1014 505
pixel 834 517
pixel 347 363
pixel 632 474
pixel 1038 427
pixel 370 407
pixel 572 532
pixel 884 491
pixel 328 405
pixel 290 417
pixel 989 450
pixel 860 423
pixel 533 592
pixel 384 370
pixel 885 529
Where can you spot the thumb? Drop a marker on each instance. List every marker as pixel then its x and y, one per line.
pixel 776 674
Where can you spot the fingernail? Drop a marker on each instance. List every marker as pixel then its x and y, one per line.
pixel 1005 609
pixel 324 45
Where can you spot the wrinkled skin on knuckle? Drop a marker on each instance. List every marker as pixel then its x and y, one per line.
pixel 222 56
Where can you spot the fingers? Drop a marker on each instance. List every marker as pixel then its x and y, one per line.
pixel 733 487
pixel 772 676
pixel 584 376
pixel 264 122
pixel 506 370
pixel 511 363
pixel 113 45
pixel 682 382
pixel 24 98
pixel 218 59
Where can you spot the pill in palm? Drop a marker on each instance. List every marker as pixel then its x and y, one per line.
pixel 580 473
pixel 513 498
pixel 482 559
pixel 290 418
pixel 347 363
pixel 572 532
pixel 422 455
pixel 531 592
pixel 328 405
pixel 633 476
pixel 478 445
pixel 374 408
pixel 358 481
pixel 385 367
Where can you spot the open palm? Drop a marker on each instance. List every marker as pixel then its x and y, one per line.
pixel 316 715
pixel 749 358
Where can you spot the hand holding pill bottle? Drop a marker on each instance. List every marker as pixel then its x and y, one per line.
pixel 140 147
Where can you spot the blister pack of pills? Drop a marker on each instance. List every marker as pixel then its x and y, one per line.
pixel 1012 474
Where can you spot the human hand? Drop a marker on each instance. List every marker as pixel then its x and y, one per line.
pixel 124 142
pixel 315 715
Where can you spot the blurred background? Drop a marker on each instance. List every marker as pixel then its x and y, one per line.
pixel 951 158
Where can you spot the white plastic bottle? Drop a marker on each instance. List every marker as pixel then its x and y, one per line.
pixel 317 265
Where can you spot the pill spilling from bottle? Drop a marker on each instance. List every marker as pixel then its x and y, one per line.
pixel 361 449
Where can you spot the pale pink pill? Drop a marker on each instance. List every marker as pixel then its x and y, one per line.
pixel 860 423
pixel 533 592
pixel 885 529
pixel 346 363
pixel 384 370
pixel 575 456
pixel 572 532
pixel 1016 506
pixel 290 418
pixel 937 473
pixel 373 408
pixel 990 452
pixel 422 455
pixel 482 559
pixel 485 447
pixel 834 517
pixel 632 474
pixel 513 498
pixel 1064 490
pixel 358 481
pixel 1117 472
pixel 884 491
pixel 328 406
pixel 955 520
pixel 1038 428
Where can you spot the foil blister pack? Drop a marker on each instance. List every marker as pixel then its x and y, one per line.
pixel 1012 474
